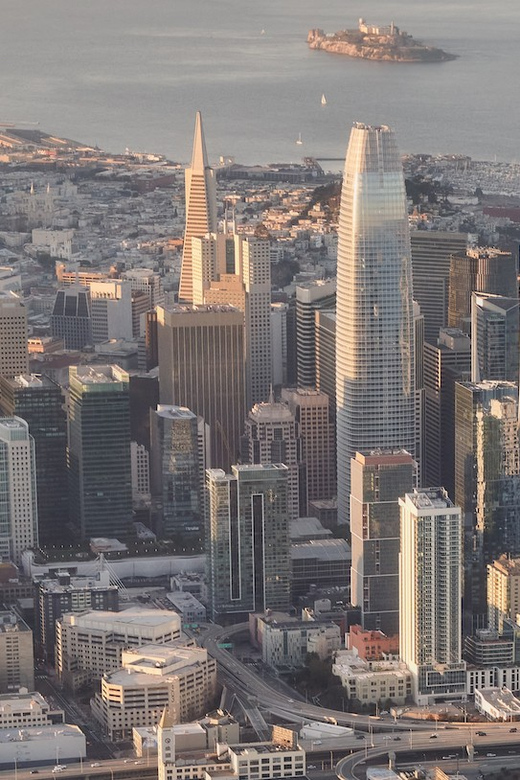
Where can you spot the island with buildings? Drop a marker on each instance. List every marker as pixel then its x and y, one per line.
pixel 371 42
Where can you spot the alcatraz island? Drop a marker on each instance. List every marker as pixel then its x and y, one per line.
pixel 387 44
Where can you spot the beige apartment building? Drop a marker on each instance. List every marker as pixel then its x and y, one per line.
pixel 182 679
pixel 91 643
pixel 503 591
pixel 16 654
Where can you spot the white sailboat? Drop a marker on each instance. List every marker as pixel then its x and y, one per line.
pixel 299 139
pixel 323 100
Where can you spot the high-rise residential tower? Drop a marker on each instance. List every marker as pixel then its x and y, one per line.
pixel 18 507
pixel 201 207
pixel 487 483
pixel 248 539
pixel 375 392
pixel 430 591
pixel 379 479
pixel 99 462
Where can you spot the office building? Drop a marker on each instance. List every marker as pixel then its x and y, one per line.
pixel 311 411
pixel 310 297
pixel 202 367
pixel 481 270
pixel 487 483
pixel 446 362
pixel 430 595
pixel 18 508
pixel 201 207
pixel 153 677
pixel 418 326
pixel 144 397
pixel 375 391
pixel 99 451
pixel 285 640
pixel 254 266
pixel 14 356
pixel 325 333
pixel 91 643
pixel 40 402
pixel 503 591
pixel 213 259
pixel 176 476
pixel 494 338
pixel 111 310
pixel 24 710
pixel 379 479
pixel 146 281
pixel 62 594
pixel 39 746
pixel 319 564
pixel 241 276
pixel 16 652
pixel 272 435
pixel 71 318
pixel 431 257
pixel 279 344
pixel 248 540
pixel 140 462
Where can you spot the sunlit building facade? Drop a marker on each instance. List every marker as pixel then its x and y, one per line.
pixel 374 322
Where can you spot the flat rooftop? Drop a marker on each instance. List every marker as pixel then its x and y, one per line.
pixel 40 733
pixel 431 498
pixel 133 616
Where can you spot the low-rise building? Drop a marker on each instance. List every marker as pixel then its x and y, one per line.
pixel 63 593
pixel 497 703
pixel 487 648
pixel 17 654
pixel 90 644
pixel 41 744
pixel 23 710
pixel 247 761
pixel 187 606
pixel 372 681
pixel 319 562
pixel 152 677
pixel 285 641
pixel 372 645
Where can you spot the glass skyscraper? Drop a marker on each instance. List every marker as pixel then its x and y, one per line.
pixel 374 322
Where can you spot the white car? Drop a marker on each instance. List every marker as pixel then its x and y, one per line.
pixel 59 768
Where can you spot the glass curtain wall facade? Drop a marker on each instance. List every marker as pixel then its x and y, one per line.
pixel 374 321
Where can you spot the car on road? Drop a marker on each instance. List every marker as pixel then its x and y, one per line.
pixel 513 730
pixel 34 772
pixel 491 755
pixel 311 766
pixel 481 734
pixel 397 739
pixel 96 763
pixel 434 736
pixel 58 768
